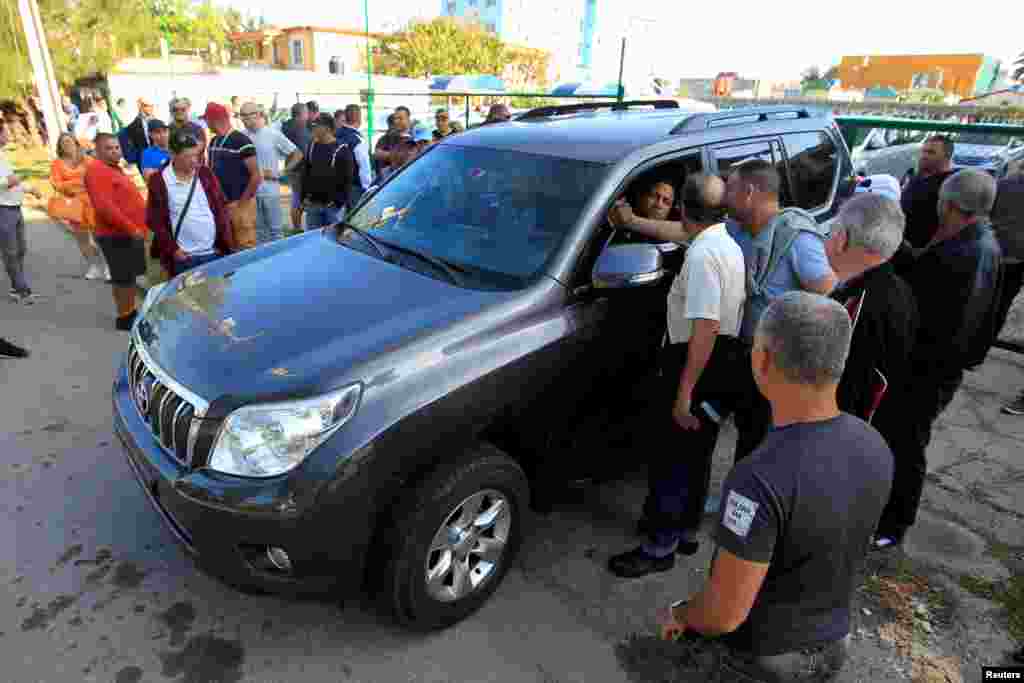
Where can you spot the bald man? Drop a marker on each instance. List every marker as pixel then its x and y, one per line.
pixel 704 353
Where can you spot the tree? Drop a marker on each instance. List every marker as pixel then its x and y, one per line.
pixel 85 37
pixel 442 46
pixel 526 68
pixel 1018 68
pixel 188 25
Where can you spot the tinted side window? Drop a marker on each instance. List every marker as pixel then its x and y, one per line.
pixel 727 156
pixel 813 162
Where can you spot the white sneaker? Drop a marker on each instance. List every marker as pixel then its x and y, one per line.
pixel 93 273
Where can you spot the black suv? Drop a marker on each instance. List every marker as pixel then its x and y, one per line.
pixel 376 399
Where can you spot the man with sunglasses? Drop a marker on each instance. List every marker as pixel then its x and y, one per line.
pixel 272 148
pixel 181 119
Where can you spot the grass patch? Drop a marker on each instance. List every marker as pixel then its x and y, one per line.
pixel 978 587
pixel 1008 594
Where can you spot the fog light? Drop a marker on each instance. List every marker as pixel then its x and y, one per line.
pixel 279 558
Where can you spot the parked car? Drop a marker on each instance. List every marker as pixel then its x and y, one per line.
pixel 991 152
pixel 372 405
pixel 886 150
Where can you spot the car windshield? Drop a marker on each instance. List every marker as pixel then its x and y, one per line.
pixel 496 215
pixel 990 139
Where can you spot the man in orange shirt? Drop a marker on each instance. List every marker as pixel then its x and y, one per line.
pixel 120 224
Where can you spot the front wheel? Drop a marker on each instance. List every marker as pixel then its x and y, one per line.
pixel 456 538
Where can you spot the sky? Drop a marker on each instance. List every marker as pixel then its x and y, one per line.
pixel 757 39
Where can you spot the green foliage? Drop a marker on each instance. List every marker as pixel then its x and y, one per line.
pixel 190 25
pixel 441 46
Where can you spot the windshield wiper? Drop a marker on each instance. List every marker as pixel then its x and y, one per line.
pixel 447 267
pixel 366 236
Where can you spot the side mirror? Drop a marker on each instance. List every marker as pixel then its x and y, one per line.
pixel 628 265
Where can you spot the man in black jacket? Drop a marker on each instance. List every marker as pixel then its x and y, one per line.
pixel 921 196
pixel 864 236
pixel 138 131
pixel 956 281
pixel 328 175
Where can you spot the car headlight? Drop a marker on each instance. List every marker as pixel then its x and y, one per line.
pixel 151 296
pixel 269 439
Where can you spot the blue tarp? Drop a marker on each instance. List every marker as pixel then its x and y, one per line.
pixel 563 89
pixel 468 83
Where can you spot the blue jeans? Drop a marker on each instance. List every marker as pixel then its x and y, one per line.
pixel 319 216
pixel 269 218
pixel 191 262
pixel 13 246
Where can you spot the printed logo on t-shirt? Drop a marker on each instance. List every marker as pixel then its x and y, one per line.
pixel 739 514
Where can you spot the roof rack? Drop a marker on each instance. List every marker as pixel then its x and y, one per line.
pixel 698 121
pixel 562 109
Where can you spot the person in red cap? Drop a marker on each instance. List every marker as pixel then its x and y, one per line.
pixel 232 157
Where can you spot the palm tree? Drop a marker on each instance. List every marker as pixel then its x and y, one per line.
pixel 1018 68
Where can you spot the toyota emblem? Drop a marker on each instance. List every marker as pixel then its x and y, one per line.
pixel 142 396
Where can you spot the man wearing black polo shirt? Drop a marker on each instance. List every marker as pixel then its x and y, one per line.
pixel 797 514
pixel 920 200
pixel 232 157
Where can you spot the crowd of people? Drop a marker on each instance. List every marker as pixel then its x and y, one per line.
pixel 213 183
pixel 849 341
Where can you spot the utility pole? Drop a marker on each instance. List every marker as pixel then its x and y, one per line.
pixel 42 68
pixel 369 77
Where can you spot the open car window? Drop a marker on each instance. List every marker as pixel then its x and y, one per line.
pixel 499 215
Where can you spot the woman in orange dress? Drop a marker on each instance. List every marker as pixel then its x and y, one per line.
pixel 71 205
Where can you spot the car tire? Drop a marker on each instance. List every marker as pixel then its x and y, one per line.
pixel 421 580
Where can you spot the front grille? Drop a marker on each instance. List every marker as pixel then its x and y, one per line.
pixel 173 419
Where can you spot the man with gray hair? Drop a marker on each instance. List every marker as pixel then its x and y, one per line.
pixel 864 237
pixel 790 541
pixel 181 119
pixel 956 281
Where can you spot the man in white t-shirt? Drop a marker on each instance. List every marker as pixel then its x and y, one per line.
pixel 705 309
pixel 272 148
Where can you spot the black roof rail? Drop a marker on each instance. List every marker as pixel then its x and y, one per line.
pixel 698 121
pixel 562 109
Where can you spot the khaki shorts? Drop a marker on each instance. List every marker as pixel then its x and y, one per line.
pixel 243 223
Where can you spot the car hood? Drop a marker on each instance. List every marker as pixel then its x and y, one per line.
pixel 293 318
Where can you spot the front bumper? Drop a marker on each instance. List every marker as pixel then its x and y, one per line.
pixel 222 521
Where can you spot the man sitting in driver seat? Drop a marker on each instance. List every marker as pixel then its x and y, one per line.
pixel 656 202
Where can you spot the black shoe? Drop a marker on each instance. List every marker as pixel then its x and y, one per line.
pixel 125 322
pixel 9 350
pixel 645 529
pixel 637 563
pixel 1018 656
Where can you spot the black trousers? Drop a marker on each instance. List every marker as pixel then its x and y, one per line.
pixel 680 467
pixel 905 420
pixel 819 664
pixel 1013 278
pixel 753 415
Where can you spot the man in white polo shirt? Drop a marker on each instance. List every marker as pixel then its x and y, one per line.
pixel 187 211
pixel 700 365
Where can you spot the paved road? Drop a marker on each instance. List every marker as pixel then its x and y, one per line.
pixel 95 589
